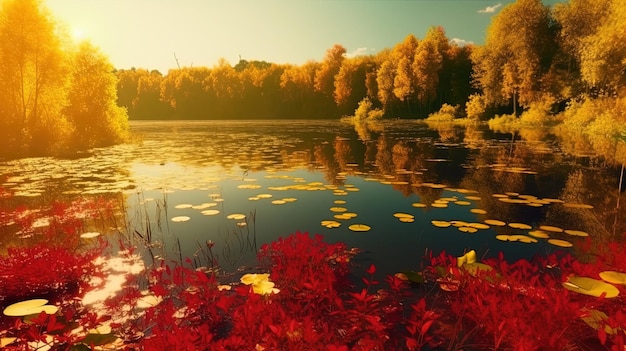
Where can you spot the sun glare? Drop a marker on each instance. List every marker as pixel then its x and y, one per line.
pixel 79 34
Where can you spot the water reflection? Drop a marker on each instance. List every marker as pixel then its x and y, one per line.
pixel 378 168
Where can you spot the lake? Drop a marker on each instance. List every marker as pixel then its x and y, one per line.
pixel 234 185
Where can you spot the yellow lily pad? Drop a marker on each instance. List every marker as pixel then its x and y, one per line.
pixel 359 228
pixel 463 203
pixel 210 212
pixel 236 216
pixel 183 206
pixel 406 219
pixel 467 229
pixel 520 226
pixel 478 225
pixel 516 237
pixel 90 235
pixel 495 222
pixel 331 224
pixel 590 286
pixel 279 202
pixel 338 209
pixel 613 277
pixel 441 224
pixel 576 232
pixel 418 205
pixel 439 205
pixel 339 202
pixel 478 211
pixel 539 234
pixel 549 228
pixel 28 307
pixel 180 219
pixel 473 198
pixel 560 243
pixel 403 215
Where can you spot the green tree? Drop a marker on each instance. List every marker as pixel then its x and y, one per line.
pixel 92 110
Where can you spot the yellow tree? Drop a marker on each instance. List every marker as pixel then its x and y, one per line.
pixel 518 51
pixel 32 75
pixel 404 82
pixel 428 62
pixel 603 54
pixel 92 108
pixel 325 76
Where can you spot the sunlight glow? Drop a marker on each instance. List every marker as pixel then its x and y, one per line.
pixel 79 34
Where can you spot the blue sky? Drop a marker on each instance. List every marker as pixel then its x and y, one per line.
pixel 147 33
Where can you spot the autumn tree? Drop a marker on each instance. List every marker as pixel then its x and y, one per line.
pixel 517 52
pixel 404 82
pixel 428 63
pixel 325 76
pixel 32 77
pixel 92 110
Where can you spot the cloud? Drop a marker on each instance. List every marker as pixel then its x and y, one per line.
pixel 358 52
pixel 490 9
pixel 461 42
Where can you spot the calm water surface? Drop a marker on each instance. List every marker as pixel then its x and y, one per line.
pixel 316 170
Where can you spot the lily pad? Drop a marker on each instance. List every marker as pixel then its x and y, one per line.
pixel 467 230
pixel 418 205
pixel 236 216
pixel 406 219
pixel 613 277
pixel 576 205
pixel 183 206
pixel 29 307
pixel 180 218
pixel 279 202
pixel 576 232
pixel 403 215
pixel 495 222
pixel 520 226
pixel 560 243
pixel 339 202
pixel 549 228
pixel 90 235
pixel 539 234
pixel 478 211
pixel 210 212
pixel 478 225
pixel 590 286
pixel 331 224
pixel 338 209
pixel 359 228
pixel 441 224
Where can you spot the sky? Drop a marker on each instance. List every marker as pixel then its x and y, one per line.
pixel 152 34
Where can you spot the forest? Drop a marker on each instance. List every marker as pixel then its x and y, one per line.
pixel 534 58
pixel 538 65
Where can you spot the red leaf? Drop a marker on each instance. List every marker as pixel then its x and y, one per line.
pixel 371 270
pixel 602 335
pixel 426 326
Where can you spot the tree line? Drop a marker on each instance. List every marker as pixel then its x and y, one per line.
pixel 533 54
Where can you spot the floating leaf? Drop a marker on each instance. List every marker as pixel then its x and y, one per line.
pixel 248 186
pixel 279 202
pixel 290 199
pixel 539 234
pixel 549 228
pixel 590 286
pixel 516 237
pixel 182 206
pixel 90 235
pixel 418 205
pixel 613 277
pixel 512 201
pixel 473 198
pixel 478 225
pixel 342 216
pixel 331 224
pixel 439 205
pixel 595 319
pixel 403 215
pixel 459 223
pixel 441 224
pixel 478 211
pixel 406 219
pixel 236 216
pixel 180 219
pixel 359 228
pixel 560 243
pixel 264 196
pixel 339 202
pixel 576 232
pixel 210 212
pixel 29 307
pixel 495 222
pixel 467 229
pixel 520 226
pixel 254 198
pixel 463 203
pixel 338 209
